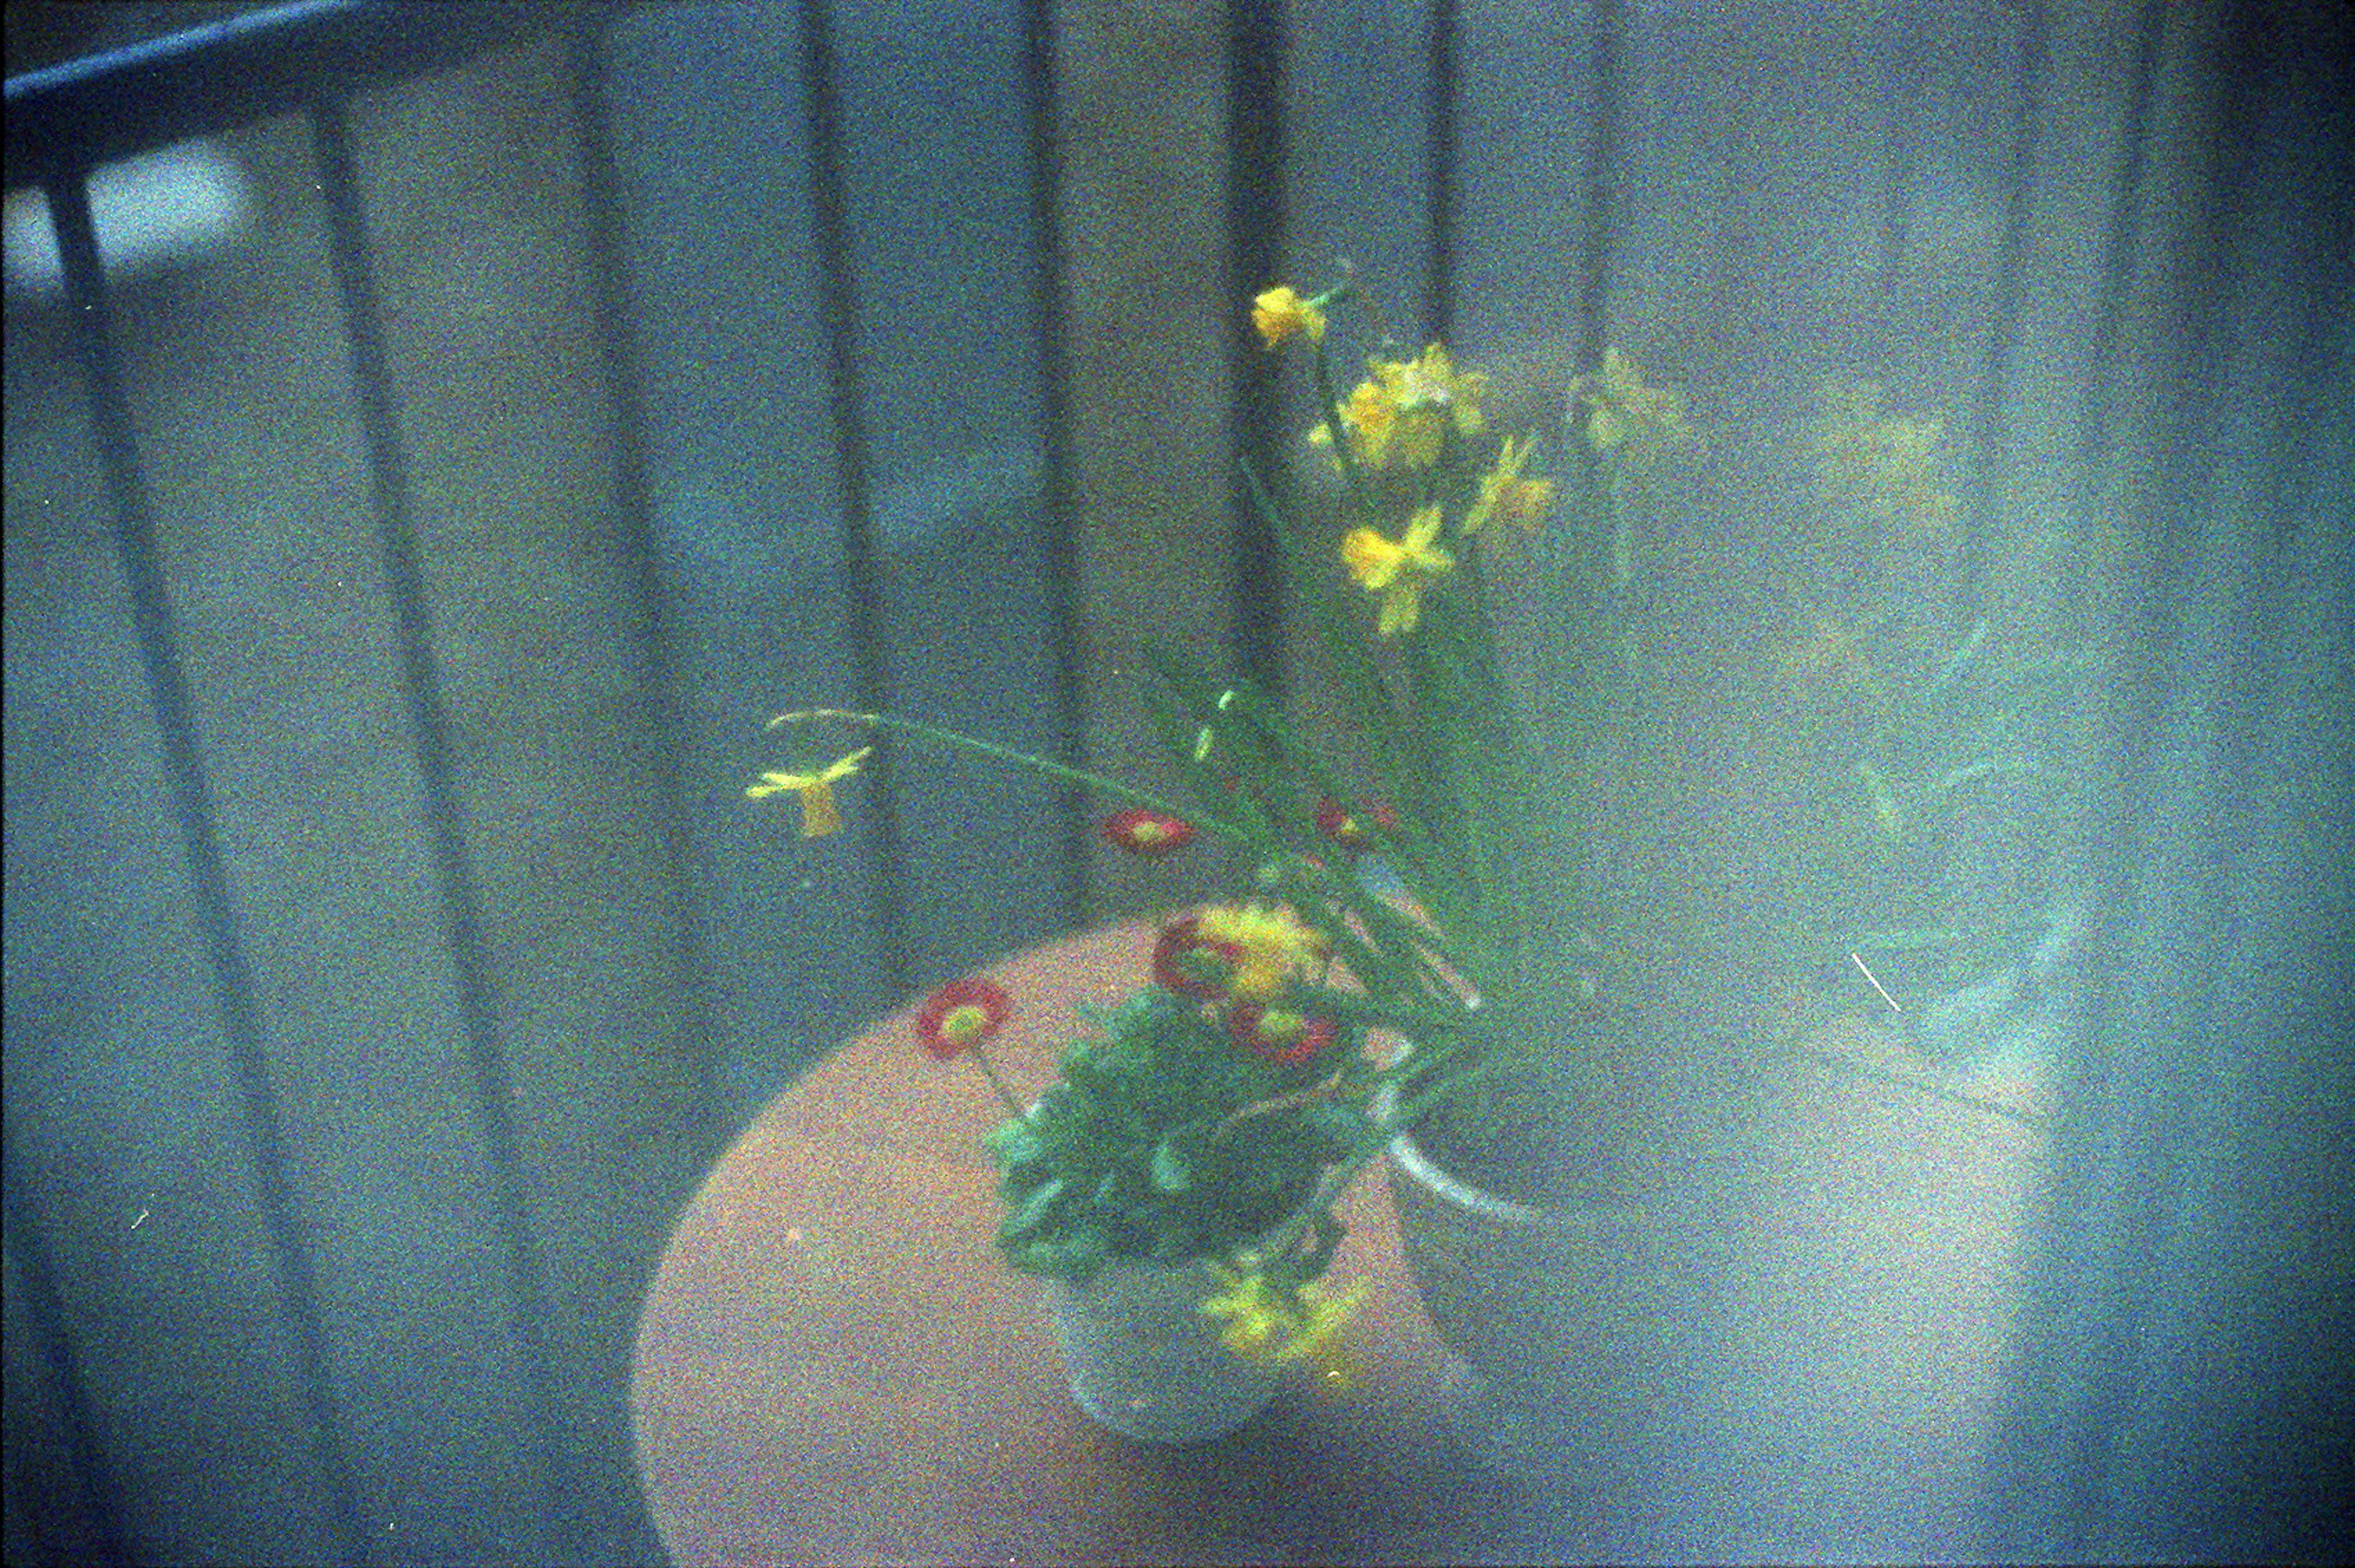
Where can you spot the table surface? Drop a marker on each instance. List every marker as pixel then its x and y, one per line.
pixel 836 1366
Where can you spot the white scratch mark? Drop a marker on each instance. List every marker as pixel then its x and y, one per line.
pixel 1876 985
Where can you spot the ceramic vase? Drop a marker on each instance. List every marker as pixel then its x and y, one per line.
pixel 1554 1320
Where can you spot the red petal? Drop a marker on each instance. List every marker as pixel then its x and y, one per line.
pixel 1183 936
pixel 968 992
pixel 1143 831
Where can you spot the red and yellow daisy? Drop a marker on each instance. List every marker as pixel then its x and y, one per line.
pixel 1191 965
pixel 960 1016
pixel 1348 829
pixel 1141 830
pixel 1279 1034
pixel 1269 945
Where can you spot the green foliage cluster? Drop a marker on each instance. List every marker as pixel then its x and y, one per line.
pixel 1906 767
pixel 1166 1141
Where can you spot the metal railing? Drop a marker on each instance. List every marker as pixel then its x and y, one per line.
pixel 312 60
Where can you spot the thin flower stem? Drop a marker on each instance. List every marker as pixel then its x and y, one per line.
pixel 1337 1177
pixel 989 1071
pixel 1007 754
pixel 1352 481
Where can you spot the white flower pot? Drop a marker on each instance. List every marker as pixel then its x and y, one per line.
pixel 1144 1361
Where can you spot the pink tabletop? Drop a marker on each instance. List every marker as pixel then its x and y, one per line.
pixel 835 1365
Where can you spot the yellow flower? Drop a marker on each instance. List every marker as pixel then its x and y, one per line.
pixel 1268 944
pixel 1431 398
pixel 1265 1325
pixel 1505 493
pixel 819 817
pixel 1623 408
pixel 1370 414
pixel 1280 312
pixel 1255 1317
pixel 1904 486
pixel 1398 570
pixel 1888 466
pixel 1400 415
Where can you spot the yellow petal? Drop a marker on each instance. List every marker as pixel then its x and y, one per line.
pixel 819 814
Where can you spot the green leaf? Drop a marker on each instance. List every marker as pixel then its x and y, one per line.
pixel 1977 770
pixel 1074 1256
pixel 1172 1172
pixel 1034 1210
pixel 1884 802
pixel 1017 1143
pixel 1961 659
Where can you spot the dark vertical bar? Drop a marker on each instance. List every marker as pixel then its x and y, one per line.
pixel 846 406
pixel 81 1516
pixel 1984 490
pixel 589 61
pixel 1905 76
pixel 191 793
pixel 1442 154
pixel 1256 198
pixel 478 1002
pixel 1603 151
pixel 2121 257
pixel 1043 107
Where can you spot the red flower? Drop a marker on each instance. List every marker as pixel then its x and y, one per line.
pixel 960 1014
pixel 1145 832
pixel 1336 823
pixel 1174 957
pixel 1279 1033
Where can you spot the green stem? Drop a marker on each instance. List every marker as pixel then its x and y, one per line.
pixel 1020 759
pixel 1336 1179
pixel 989 1071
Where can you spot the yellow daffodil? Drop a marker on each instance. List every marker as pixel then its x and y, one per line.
pixel 1255 1319
pixel 1622 408
pixel 819 814
pixel 1399 416
pixel 1505 493
pixel 1903 485
pixel 1431 399
pixel 1369 415
pixel 1398 570
pixel 1279 313
pixel 1888 466
pixel 1268 945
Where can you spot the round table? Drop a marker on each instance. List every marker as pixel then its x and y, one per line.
pixel 836 1366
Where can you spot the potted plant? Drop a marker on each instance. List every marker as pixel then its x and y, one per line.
pixel 1150 1185
pixel 1436 893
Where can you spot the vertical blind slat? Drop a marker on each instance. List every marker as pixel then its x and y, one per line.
pixel 1992 428
pixel 1604 148
pixel 88 1521
pixel 1257 198
pixel 588 52
pixel 1443 88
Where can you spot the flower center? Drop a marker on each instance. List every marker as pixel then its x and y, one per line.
pixel 1281 1026
pixel 965 1024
